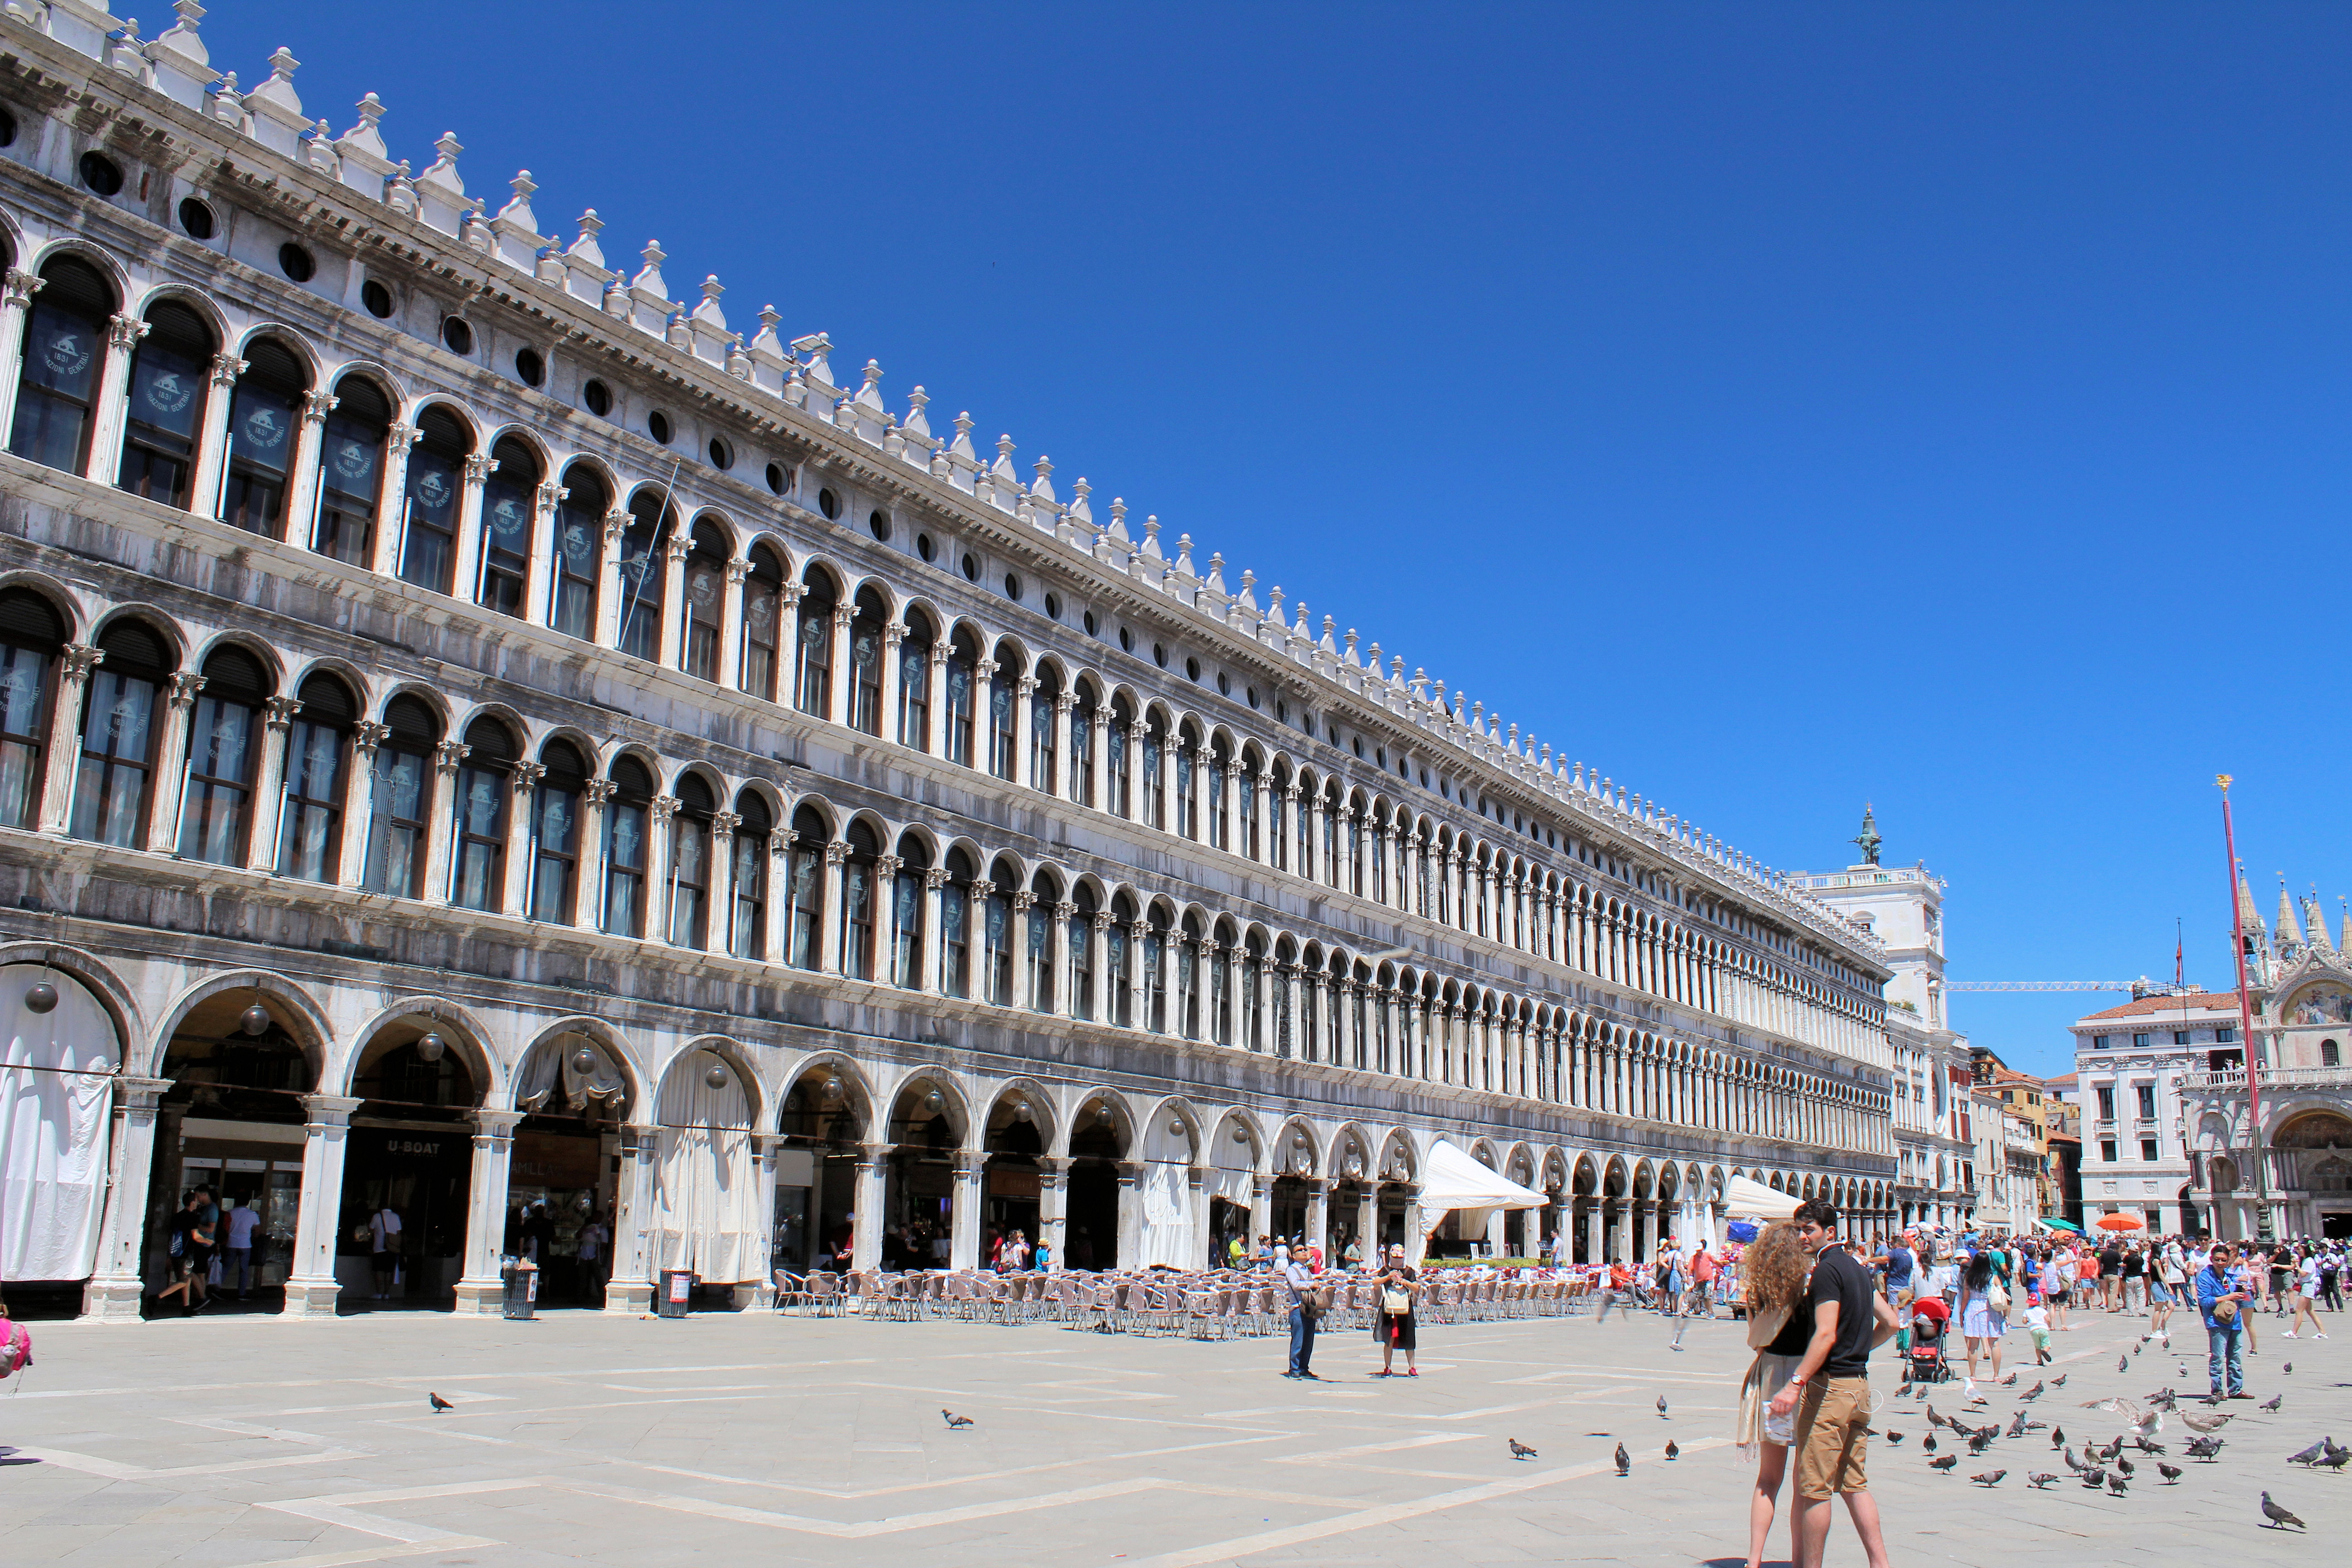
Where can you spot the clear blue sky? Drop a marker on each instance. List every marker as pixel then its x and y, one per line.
pixel 1774 408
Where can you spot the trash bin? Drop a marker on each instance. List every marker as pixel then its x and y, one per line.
pixel 521 1299
pixel 676 1293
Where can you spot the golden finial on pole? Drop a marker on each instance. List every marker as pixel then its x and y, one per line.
pixel 2221 782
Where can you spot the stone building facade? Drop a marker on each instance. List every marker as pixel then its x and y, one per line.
pixel 487 739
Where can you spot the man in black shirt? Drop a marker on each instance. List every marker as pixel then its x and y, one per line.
pixel 1830 1392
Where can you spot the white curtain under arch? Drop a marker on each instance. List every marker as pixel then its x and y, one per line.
pixel 1167 1195
pixel 705 1202
pixel 52 1126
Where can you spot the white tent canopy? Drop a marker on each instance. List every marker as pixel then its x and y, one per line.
pixel 1754 1200
pixel 1453 1181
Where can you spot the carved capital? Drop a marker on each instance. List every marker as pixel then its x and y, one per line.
pixel 616 523
pixel 887 865
pixel 665 807
pixel 227 368
pixel 1103 920
pixel 1063 704
pixel 279 711
pixel 736 572
pixel 986 669
pixel 22 285
pixel 450 753
pixel 403 437
pixel 479 467
pixel 676 548
pixel 183 688
pixel 893 633
pixel 725 822
pixel 1023 900
pixel 368 734
pixel 600 791
pixel 123 332
pixel 527 776
pixel 79 659
pixel 935 878
pixel 317 405
pixel 1065 909
pixel 835 853
pixel 552 495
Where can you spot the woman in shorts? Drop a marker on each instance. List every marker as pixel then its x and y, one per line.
pixel 1779 1327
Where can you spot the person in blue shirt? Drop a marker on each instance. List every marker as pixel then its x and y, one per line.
pixel 2214 1286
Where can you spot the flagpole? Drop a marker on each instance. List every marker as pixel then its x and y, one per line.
pixel 2246 1022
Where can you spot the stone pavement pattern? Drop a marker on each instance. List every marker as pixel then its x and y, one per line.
pixel 586 1439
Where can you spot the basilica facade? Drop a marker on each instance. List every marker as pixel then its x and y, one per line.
pixel 487 739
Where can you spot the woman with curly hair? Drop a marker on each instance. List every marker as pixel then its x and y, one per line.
pixel 1779 1326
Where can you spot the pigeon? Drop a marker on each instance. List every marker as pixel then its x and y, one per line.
pixel 956 1421
pixel 2308 1455
pixel 2116 1485
pixel 1946 1463
pixel 438 1404
pixel 2126 1468
pixel 2010 1382
pixel 2279 1518
pixel 1929 1445
pixel 2287 1367
pixel 1894 1437
pixel 2273 1403
pixel 2145 1446
pixel 2122 1364
pixel 2095 1478
pixel 2060 1381
pixel 2017 1427
pixel 2331 1450
pixel 2109 1452
pixel 2058 1436
pixel 1661 1405
pixel 2205 1448
pixel 2034 1392
pixel 1624 1461
pixel 2041 1479
pixel 1934 1419
pixel 1520 1450
pixel 1978 1443
pixel 1672 1452
pixel 2207 1423
pixel 2334 1460
pixel 1990 1479
pixel 2171 1474
pixel 2072 1463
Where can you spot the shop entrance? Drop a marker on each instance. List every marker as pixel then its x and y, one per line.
pixel 564 1168
pixel 1227 1220
pixel 1091 1239
pixel 920 1200
pixel 1011 1177
pixel 816 1172
pixel 410 1151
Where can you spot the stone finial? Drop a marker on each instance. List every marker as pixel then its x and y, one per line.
pixel 917 422
pixel 1118 534
pixel 1248 598
pixel 400 191
pixel 180 66
pixel 181 37
pixel 1152 538
pixel 279 88
pixel 443 170
pixel 707 310
pixel 227 103
pixel 1184 555
pixel 1003 468
pixel 585 248
pixel 1082 512
pixel 961 446
pixel 869 394
pixel 1042 487
pixel 649 276
pixel 1216 583
pixel 1396 666
pixel 1273 599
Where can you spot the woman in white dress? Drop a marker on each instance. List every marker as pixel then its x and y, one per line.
pixel 2306 1288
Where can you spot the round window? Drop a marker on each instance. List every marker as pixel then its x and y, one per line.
pixel 828 503
pixel 295 262
pixel 197 219
pixel 1250 692
pixel 881 525
pixel 924 547
pixel 457 334
pixel 1191 669
pixel 1224 684
pixel 1054 607
pixel 970 567
pixel 1160 655
pixel 1093 627
pixel 658 427
pixel 529 367
pixel 1012 586
pixel 1359 748
pixel 100 173
pixel 597 397
pixel 377 299
pixel 776 478
pixel 7 129
pixel 722 456
pixel 1127 639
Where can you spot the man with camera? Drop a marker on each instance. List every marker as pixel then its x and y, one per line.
pixel 2222 1309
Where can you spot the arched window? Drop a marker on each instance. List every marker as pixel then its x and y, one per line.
pixel 1277 813
pixel 805 949
pixel 118 735
pixel 428 523
pixel 626 816
pixel 2328 1055
pixel 996 936
pixel 1082 732
pixel 1354 879
pixel 1245 839
pixel 32 636
pixel 265 412
pixel 963 676
pixel 1330 846
pixel 350 471
pixel 813 648
pixel 555 833
pixel 65 346
pixel 1115 749
pixel 1187 811
pixel 164 414
pixel 1043 754
pixel 509 508
pixel 1155 795
pixel 643 574
pixel 1221 996
pixel 1118 964
pixel 224 735
pixel 1253 987
pixel 706 600
pixel 857 901
pixel 1037 944
pixel 1155 973
pixel 399 798
pixel 578 552
pixel 1380 890
pixel 318 749
pixel 955 925
pixel 1188 978
pixel 1082 953
pixel 915 682
pixel 477 875
pixel 747 929
pixel 907 913
pixel 866 663
pixel 1220 824
pixel 1001 694
pixel 690 864
pixel 763 610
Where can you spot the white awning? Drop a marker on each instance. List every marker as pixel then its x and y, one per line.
pixel 1451 1181
pixel 1753 1200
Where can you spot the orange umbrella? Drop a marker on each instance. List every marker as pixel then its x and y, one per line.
pixel 2119 1222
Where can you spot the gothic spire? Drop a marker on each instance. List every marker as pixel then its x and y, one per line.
pixel 2289 931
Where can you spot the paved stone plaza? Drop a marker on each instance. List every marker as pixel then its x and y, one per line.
pixel 587 1438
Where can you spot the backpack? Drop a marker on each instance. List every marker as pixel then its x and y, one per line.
pixel 15 1349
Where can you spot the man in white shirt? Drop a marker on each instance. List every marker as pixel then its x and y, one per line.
pixel 1300 1281
pixel 384 1230
pixel 243 1221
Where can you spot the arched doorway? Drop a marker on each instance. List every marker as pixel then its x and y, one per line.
pixel 1582 1195
pixel 708 1215
pixel 822 1120
pixel 1393 1224
pixel 232 1122
pixel 924 1132
pixel 563 1174
pixel 410 1152
pixel 1232 1186
pixel 1012 1175
pixel 1092 1233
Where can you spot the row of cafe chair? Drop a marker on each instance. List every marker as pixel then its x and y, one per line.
pixel 1199 1304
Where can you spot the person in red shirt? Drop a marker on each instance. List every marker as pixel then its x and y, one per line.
pixel 1620 1289
pixel 1701 1277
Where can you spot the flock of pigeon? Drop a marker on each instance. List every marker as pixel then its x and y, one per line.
pixel 2105 1467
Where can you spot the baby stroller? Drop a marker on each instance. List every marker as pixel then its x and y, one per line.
pixel 1931 1320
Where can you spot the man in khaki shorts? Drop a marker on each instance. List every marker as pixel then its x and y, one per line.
pixel 1830 1392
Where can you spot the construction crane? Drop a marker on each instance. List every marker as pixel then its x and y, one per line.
pixel 2139 988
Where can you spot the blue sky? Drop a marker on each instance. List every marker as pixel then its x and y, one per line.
pixel 1775 408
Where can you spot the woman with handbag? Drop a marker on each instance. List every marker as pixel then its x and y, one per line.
pixel 1984 1308
pixel 1393 1325
pixel 1779 1326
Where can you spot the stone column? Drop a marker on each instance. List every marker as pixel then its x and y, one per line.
pixel 930 964
pixel 1318 1214
pixel 519 850
pixel 119 1282
pixel 1260 1207
pixel 1139 996
pixel 1067 786
pixel 212 442
pixel 1368 1218
pixel 359 802
pixel 836 854
pixel 466 568
pixel 966 1199
pixel 392 500
pixel 302 479
pixel 269 783
pixel 538 574
pixel 171 775
pixel 441 818
pixel 610 590
pixel 588 905
pixel 1024 689
pixel 1416 1225
pixel 122 335
pixel 730 649
pixel 1131 1214
pixel 873 1193
pixel 843 678
pixel 893 636
pixel 670 643
pixel 763 1293
pixel 16 302
pixel 1065 985
pixel 719 903
pixel 1052 1207
pixel 629 1290
pixel 1196 1186
pixel 1098 764
pixel 310 1284
pixel 1016 937
pixel 480 1288
pixel 1496 1241
pixel 62 761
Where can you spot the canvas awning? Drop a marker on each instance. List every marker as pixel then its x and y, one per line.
pixel 1451 1181
pixel 1753 1200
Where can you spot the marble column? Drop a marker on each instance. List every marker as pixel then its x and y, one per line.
pixel 1318 1216
pixel 731 650
pixel 359 802
pixel 873 1192
pixel 1052 1207
pixel 269 783
pixel 119 1282
pixel 1416 1226
pixel 440 819
pixel 1196 1186
pixel 16 302
pixel 1261 1208
pixel 968 1199
pixel 113 398
pixel 524 784
pixel 479 1287
pixel 62 761
pixel 762 1291
pixel 212 443
pixel 610 590
pixel 466 569
pixel 171 775
pixel 538 574
pixel 629 1291
pixel 311 1283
